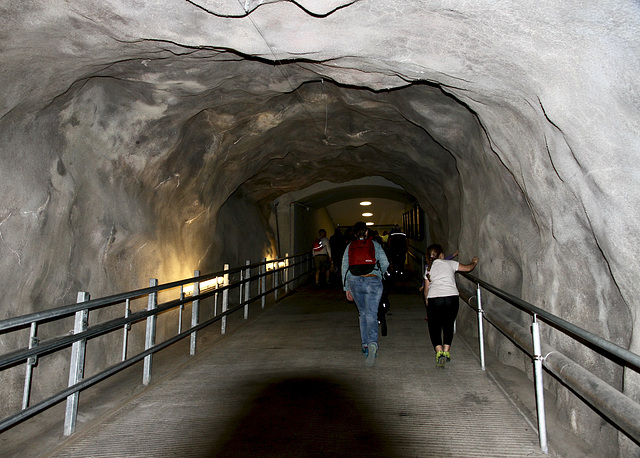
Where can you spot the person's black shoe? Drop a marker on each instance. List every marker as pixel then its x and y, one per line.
pixel 383 326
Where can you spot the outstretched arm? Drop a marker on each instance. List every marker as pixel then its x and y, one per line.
pixel 468 267
pixel 455 253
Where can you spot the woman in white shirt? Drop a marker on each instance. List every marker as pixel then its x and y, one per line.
pixel 441 295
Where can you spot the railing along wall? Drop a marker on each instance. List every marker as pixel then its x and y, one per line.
pixel 232 289
pixel 601 397
pixel 416 257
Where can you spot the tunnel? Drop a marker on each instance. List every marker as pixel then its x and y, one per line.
pixel 151 139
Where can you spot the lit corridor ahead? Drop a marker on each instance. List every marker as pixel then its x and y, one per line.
pixel 291 381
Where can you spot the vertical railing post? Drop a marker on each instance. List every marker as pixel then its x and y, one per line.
pixel 480 327
pixel 247 289
pixel 127 327
pixel 195 315
pixel 150 336
pixel 276 271
pixel 225 300
pixel 263 281
pixel 286 273
pixel 181 309
pixel 31 362
pixel 76 367
pixel 537 364
pixel 240 286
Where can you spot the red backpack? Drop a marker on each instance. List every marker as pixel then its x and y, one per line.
pixel 318 245
pixel 362 257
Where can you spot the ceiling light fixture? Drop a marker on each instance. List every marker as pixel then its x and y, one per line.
pixel 369 223
pixel 367 214
pixel 364 203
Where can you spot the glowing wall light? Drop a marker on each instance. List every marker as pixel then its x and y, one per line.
pixel 275 265
pixel 204 286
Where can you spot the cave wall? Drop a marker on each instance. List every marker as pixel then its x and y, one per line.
pixel 237 221
pixel 131 148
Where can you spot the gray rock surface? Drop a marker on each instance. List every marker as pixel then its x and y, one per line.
pixel 137 136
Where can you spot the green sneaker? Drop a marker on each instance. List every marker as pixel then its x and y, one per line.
pixel 440 359
pixel 447 355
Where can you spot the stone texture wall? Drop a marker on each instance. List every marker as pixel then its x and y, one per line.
pixel 137 136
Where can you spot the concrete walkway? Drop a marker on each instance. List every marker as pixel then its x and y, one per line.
pixel 292 382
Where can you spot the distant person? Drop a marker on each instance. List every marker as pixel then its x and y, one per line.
pixel 397 250
pixel 373 234
pixel 322 256
pixel 383 307
pixel 363 264
pixel 385 240
pixel 338 244
pixel 349 236
pixel 441 295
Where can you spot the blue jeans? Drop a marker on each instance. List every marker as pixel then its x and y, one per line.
pixel 366 292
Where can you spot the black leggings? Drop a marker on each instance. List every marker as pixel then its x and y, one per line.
pixel 442 313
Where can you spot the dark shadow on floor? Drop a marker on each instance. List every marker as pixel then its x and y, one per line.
pixel 302 417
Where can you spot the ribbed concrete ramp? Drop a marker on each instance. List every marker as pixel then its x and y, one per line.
pixel 292 382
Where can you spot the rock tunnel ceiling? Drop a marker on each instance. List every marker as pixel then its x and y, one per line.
pixel 265 129
pixel 138 135
pixel 278 125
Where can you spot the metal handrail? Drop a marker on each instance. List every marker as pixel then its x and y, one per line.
pixel 70 309
pixel 632 359
pixel 621 410
pixel 279 267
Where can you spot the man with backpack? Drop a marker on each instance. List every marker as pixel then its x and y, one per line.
pixel 363 265
pixel 397 248
pixel 322 256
